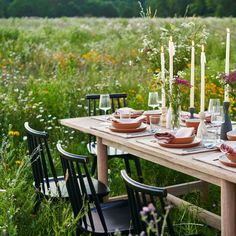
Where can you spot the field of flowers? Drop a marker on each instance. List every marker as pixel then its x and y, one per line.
pixel 47 66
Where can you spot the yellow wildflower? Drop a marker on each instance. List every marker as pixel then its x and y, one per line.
pixel 19 162
pixel 14 133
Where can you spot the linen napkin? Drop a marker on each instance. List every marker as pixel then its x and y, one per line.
pixel 225 148
pixel 168 137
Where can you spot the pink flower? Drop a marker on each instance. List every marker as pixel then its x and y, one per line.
pixel 230 78
pixel 180 81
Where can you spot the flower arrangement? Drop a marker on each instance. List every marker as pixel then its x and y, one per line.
pixel 176 98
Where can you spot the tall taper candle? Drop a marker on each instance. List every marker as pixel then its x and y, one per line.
pixel 163 95
pixel 203 61
pixel 227 55
pixel 171 61
pixel 192 75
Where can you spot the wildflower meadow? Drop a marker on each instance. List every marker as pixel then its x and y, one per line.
pixel 47 66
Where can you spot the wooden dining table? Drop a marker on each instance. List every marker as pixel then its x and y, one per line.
pixel 204 166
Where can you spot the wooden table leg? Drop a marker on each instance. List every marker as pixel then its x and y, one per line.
pixel 102 164
pixel 204 192
pixel 228 208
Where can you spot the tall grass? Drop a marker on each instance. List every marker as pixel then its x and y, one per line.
pixel 47 66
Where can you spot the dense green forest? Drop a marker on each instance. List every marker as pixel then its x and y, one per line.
pixel 116 8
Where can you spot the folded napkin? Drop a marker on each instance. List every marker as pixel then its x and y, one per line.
pixel 227 149
pixel 184 132
pixel 129 121
pixel 130 110
pixel 168 137
pixel 185 115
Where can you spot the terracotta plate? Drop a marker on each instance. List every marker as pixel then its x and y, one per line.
pixel 195 143
pixel 132 116
pixel 224 160
pixel 231 135
pixel 139 129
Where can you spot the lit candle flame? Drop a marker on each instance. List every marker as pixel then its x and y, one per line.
pixel 171 38
pixel 162 49
pixel 193 43
pixel 228 30
pixel 202 48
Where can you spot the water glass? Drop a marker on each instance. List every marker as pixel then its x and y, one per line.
pixel 217 118
pixel 154 123
pixel 125 114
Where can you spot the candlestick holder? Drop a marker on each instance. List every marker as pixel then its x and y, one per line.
pixel 168 118
pixel 226 126
pixel 202 130
pixel 191 111
pixel 163 116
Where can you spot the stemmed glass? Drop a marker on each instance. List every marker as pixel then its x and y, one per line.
pixel 105 103
pixel 153 100
pixel 217 118
pixel 213 102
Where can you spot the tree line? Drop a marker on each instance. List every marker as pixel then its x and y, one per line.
pixel 116 8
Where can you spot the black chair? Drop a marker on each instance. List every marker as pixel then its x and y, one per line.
pixel 117 101
pixel 141 195
pixel 94 218
pixel 46 181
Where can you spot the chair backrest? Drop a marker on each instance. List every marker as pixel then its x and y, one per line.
pixel 41 159
pixel 118 100
pixel 140 196
pixel 75 170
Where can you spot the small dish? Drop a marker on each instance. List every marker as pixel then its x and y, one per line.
pixel 231 157
pixel 231 135
pixel 129 124
pixel 183 140
pixel 224 160
pixel 139 129
pixel 156 113
pixel 195 143
pixel 193 123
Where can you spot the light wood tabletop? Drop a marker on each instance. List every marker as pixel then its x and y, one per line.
pixel 189 164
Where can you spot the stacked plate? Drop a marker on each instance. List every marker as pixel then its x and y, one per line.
pixel 127 126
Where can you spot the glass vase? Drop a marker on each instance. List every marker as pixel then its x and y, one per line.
pixel 175 116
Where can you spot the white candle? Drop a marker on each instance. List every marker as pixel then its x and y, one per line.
pixel 227 54
pixel 203 62
pixel 192 75
pixel 163 98
pixel 171 66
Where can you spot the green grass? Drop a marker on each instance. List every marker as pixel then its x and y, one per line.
pixel 47 66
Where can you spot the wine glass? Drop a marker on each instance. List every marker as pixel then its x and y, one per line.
pixel 105 103
pixel 213 102
pixel 153 100
pixel 217 118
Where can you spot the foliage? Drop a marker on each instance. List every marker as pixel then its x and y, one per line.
pixel 115 8
pixel 47 66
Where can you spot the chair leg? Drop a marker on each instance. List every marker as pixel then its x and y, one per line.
pixel 138 169
pixel 127 166
pixel 37 203
pixel 94 166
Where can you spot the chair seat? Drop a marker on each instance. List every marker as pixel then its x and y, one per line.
pixel 117 217
pixel 100 188
pixel 92 148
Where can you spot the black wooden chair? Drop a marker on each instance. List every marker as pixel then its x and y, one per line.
pixel 117 101
pixel 141 195
pixel 46 181
pixel 95 218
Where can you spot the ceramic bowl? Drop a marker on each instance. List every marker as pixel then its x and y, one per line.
pixel 126 124
pixel 183 140
pixel 193 123
pixel 231 135
pixel 152 113
pixel 231 157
